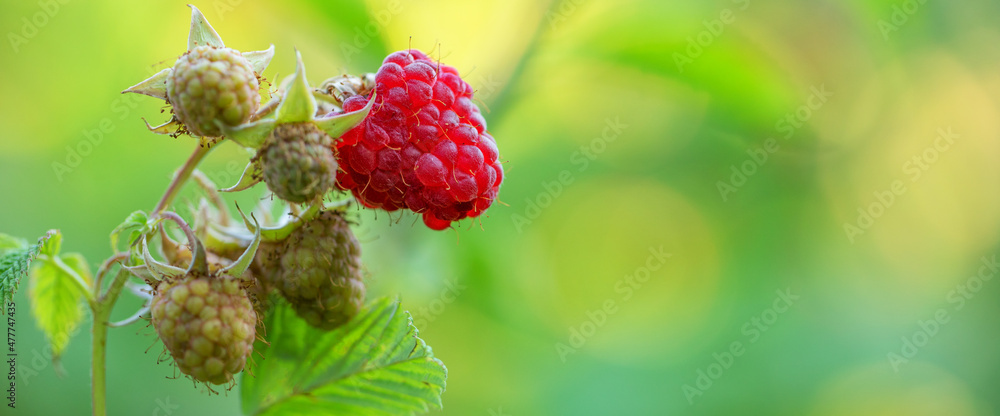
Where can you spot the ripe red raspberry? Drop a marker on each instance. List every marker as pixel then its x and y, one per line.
pixel 423 147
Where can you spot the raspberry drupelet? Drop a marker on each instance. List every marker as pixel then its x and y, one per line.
pixel 423 147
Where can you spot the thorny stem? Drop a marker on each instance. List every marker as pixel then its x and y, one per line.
pixel 213 194
pixel 102 304
pixel 102 311
pixel 104 270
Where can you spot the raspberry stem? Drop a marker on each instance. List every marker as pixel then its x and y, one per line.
pixel 212 191
pixel 101 310
pixel 104 271
pixel 185 173
pixel 98 351
pixel 102 304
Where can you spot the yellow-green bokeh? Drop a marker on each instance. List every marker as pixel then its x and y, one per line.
pixel 612 152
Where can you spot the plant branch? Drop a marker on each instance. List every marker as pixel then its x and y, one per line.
pixel 107 301
pixel 97 372
pixel 184 174
pixel 212 190
pixel 117 258
pixel 102 311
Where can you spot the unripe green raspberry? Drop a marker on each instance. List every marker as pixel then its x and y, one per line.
pixel 208 325
pixel 265 262
pixel 297 162
pixel 209 84
pixel 319 272
pixel 264 271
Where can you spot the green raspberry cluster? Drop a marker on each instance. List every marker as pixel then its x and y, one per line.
pixel 297 163
pixel 317 269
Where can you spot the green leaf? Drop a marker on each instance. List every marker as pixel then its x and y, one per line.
pixel 56 300
pixel 134 224
pixel 373 365
pixel 154 86
pixel 250 135
pixel 260 59
pixel 337 125
pixel 298 105
pixel 8 243
pixel 241 264
pixel 202 33
pixel 52 244
pixel 79 264
pixel 252 175
pixel 14 264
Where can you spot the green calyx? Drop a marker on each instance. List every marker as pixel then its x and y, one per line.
pixel 296 105
pixel 294 146
pixel 209 84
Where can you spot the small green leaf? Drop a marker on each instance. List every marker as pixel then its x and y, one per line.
pixel 202 33
pixel 159 269
pixel 337 125
pixel 241 264
pixel 14 264
pixel 56 300
pixel 52 245
pixel 260 59
pixel 373 365
pixel 298 104
pixel 252 175
pixel 154 86
pixel 8 242
pixel 250 135
pixel 170 127
pixel 133 224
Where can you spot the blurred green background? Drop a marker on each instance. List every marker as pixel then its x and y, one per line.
pixel 624 234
